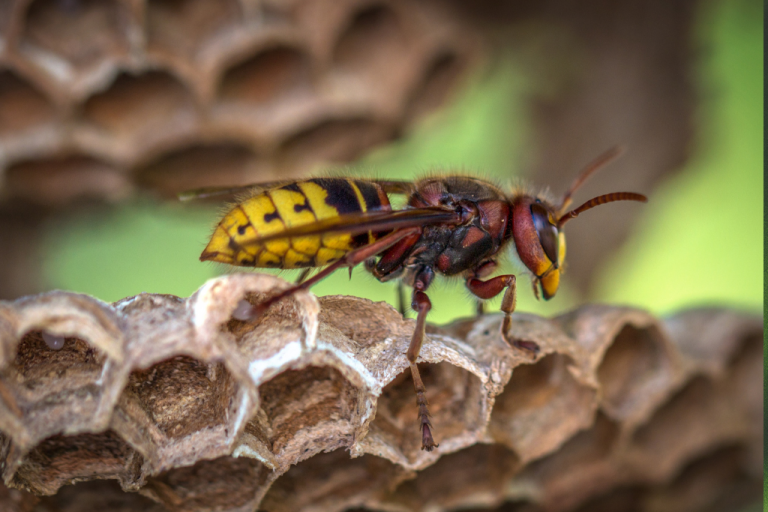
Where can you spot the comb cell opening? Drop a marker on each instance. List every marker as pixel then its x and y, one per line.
pixel 311 487
pixel 190 167
pixel 297 405
pixel 59 181
pixel 58 28
pixel 22 106
pixel 271 76
pixel 541 407
pixel 473 477
pixel 143 106
pixel 225 483
pixel 186 27
pixel 636 371
pixel 456 398
pixel 183 395
pixel 63 460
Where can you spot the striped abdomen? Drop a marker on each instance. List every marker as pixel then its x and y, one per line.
pixel 303 202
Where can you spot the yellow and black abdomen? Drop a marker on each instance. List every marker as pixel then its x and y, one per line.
pixel 236 238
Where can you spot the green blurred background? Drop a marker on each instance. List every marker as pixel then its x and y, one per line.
pixel 700 239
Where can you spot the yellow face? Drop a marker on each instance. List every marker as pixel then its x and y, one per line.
pixel 550 280
pixel 539 243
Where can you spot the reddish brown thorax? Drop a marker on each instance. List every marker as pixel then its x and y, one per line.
pixel 483 211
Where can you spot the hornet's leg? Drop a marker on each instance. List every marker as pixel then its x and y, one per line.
pixel 491 288
pixel 303 276
pixel 352 258
pixel 401 298
pixel 421 304
pixel 483 270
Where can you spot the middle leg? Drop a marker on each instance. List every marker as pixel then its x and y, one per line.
pixel 491 288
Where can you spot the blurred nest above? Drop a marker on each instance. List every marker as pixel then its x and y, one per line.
pixel 168 95
pixel 102 99
pixel 161 403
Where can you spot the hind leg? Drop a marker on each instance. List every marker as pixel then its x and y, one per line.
pixel 422 305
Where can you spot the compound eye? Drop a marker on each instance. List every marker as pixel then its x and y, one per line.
pixel 548 235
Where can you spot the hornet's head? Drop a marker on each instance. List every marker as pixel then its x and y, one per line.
pixel 539 242
pixel 537 227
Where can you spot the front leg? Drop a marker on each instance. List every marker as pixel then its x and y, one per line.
pixel 491 288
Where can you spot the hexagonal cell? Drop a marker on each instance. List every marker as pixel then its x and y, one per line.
pixel 263 347
pixel 58 181
pixel 541 407
pixel 636 371
pixel 331 482
pixel 436 84
pixel 62 313
pixel 62 460
pixel 373 44
pixel 53 383
pixel 694 418
pixel 147 106
pixel 711 483
pixel 191 167
pixel 183 395
pixel 272 76
pixel 333 141
pixel 456 399
pixel 22 106
pixel 709 337
pixel 41 357
pixel 186 27
pixel 581 468
pixel 300 407
pixel 97 495
pixel 477 476
pixel 83 33
pixel 225 483
pixel 281 324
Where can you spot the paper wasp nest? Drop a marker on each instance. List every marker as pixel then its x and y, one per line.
pixel 160 90
pixel 161 403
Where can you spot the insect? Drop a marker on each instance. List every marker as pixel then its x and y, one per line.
pixel 451 225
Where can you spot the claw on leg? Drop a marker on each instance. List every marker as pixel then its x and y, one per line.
pixel 427 441
pixel 493 287
pixel 530 347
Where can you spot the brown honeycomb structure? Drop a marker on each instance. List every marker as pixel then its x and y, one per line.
pixel 101 98
pixel 161 403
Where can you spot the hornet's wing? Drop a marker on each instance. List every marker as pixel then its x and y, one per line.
pixel 389 186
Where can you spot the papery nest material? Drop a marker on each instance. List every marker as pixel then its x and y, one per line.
pixel 176 399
